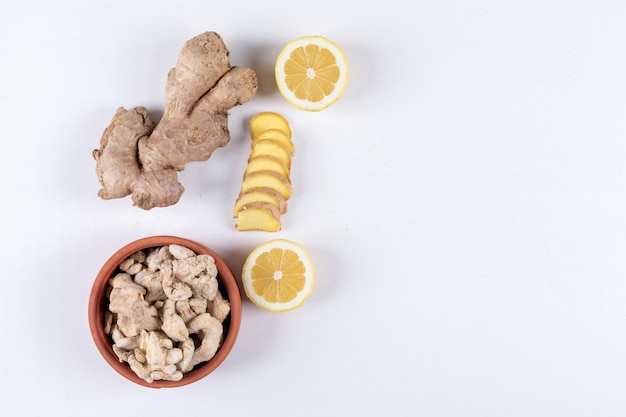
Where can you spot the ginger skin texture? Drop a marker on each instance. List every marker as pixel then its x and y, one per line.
pixel 140 158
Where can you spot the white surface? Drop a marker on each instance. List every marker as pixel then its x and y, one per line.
pixel 464 203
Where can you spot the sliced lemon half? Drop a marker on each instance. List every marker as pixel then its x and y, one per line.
pixel 278 275
pixel 311 72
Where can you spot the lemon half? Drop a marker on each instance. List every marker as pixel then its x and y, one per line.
pixel 278 275
pixel 311 72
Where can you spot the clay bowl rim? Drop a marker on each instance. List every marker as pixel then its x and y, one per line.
pixel 96 308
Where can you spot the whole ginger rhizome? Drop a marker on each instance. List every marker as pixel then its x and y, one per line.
pixel 165 312
pixel 141 158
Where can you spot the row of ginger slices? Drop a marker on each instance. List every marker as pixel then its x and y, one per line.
pixel 266 184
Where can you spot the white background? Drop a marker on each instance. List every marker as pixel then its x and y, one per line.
pixel 464 203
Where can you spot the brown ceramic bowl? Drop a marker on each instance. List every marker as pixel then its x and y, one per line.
pixel 98 305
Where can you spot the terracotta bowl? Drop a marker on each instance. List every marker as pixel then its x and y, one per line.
pixel 98 305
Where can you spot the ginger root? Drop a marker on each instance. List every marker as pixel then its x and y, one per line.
pixel 140 158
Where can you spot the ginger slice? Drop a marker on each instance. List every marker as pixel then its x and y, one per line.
pixel 256 196
pixel 266 163
pixel 277 135
pixel 268 120
pixel 266 179
pixel 285 179
pixel 259 216
pixel 282 201
pixel 270 147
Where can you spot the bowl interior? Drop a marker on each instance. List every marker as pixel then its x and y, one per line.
pixel 98 304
